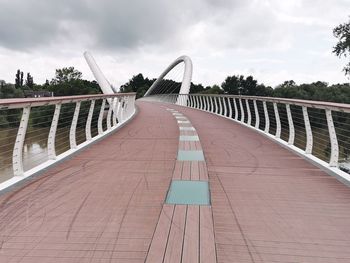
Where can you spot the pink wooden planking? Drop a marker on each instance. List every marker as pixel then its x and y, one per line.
pixel 160 239
pixel 268 204
pixel 104 205
pixel 191 238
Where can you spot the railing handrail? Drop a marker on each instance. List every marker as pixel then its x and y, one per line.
pixel 298 102
pixel 14 103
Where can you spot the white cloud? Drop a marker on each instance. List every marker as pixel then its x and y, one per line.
pixel 272 39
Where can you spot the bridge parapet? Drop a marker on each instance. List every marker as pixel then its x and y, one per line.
pixel 81 120
pixel 318 131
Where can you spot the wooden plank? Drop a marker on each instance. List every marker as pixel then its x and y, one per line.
pixel 177 170
pixel 175 241
pixel 186 171
pixel 193 145
pixel 159 241
pixel 194 171
pixel 182 145
pixel 203 172
pixel 207 239
pixel 190 251
pixel 198 146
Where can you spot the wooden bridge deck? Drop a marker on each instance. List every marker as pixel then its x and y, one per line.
pixel 107 204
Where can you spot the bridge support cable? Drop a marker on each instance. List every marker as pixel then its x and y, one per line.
pixel 62 126
pixel 288 121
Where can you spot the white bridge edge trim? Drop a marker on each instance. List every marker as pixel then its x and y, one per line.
pixel 186 80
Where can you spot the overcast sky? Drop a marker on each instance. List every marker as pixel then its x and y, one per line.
pixel 273 40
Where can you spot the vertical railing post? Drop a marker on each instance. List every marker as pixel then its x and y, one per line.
pixel 333 161
pixel 17 157
pixel 221 105
pixel 118 102
pixel 197 102
pixel 88 121
pixel 242 110
pixel 291 126
pixel 229 107
pixel 257 117
pixel 115 108
pixel 130 106
pixel 225 106
pixel 236 110
pixel 100 117
pixel 211 104
pixel 200 102
pixel 73 127
pixel 208 104
pixel 309 138
pixel 122 106
pixel 248 112
pixel 190 100
pixel 267 119
pixel 51 149
pixel 278 121
pixel 216 105
pixel 109 114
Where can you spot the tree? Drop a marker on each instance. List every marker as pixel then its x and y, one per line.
pixel 215 89
pixel 29 81
pixel 342 48
pixel 232 84
pixel 65 75
pixel 137 84
pixel 68 82
pixel 19 79
pixel 239 85
pixel 196 88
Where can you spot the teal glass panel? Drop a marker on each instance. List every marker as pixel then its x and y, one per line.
pixel 190 155
pixel 183 192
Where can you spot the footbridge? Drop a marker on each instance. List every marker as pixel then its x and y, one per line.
pixel 174 178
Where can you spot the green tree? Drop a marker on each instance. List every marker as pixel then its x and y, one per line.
pixel 137 84
pixel 68 82
pixel 215 89
pixel 65 75
pixel 19 79
pixel 196 88
pixel 342 48
pixel 239 85
pixel 29 81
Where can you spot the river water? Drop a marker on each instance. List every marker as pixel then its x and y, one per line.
pixel 34 149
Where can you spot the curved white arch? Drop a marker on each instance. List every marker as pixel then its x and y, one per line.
pixel 186 80
pixel 96 71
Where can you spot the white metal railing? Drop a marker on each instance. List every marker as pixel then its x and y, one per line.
pixel 318 131
pixel 50 119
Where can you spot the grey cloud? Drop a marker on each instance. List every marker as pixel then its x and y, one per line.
pixel 132 24
pixel 110 24
pixel 28 24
